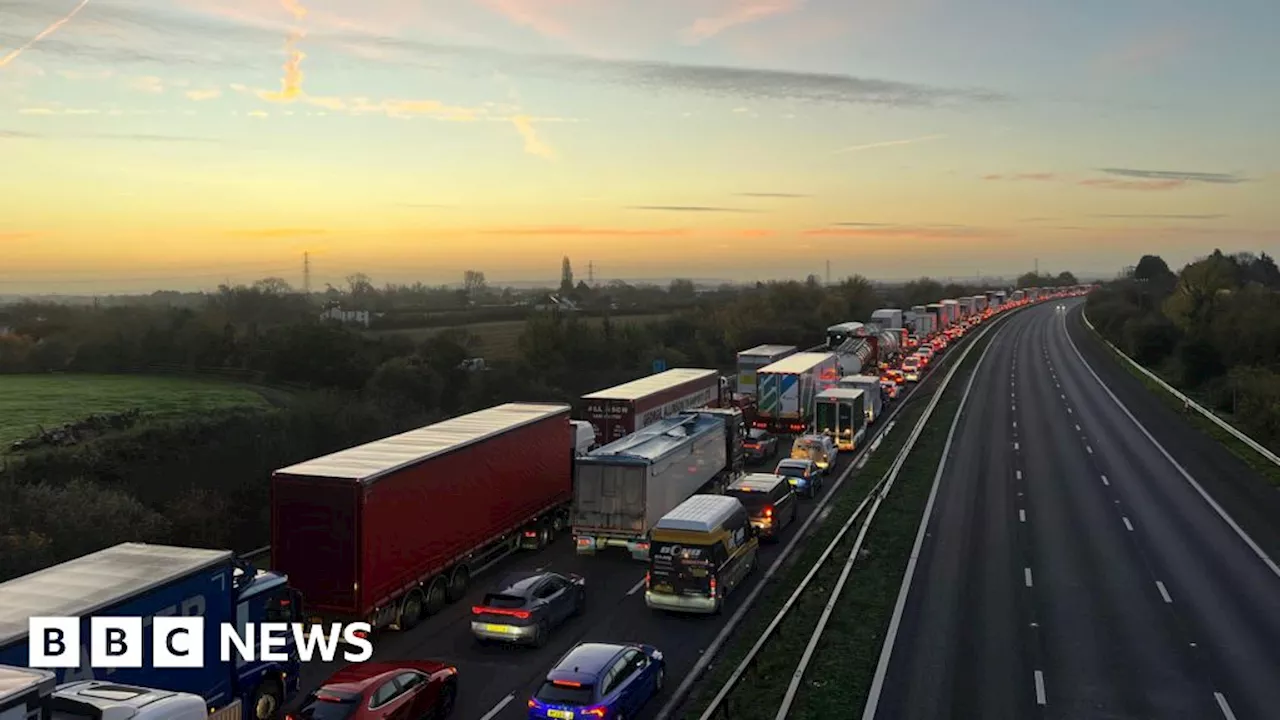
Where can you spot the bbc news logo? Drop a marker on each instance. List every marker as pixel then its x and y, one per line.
pixel 178 642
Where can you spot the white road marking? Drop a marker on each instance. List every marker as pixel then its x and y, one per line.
pixel 1015 446
pixel 498 708
pixel 1022 516
pixel 1018 473
pixel 1026 576
pixel 1077 428
pixel 1223 706
pixel 1015 424
pixel 1040 700
pixel 1105 481
pixel 1128 525
pixel 1068 409
pixel 1163 592
pixel 1089 448
pixel 637 587
pixel 1064 397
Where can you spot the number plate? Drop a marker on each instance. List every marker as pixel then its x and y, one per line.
pixel 506 629
pixel 562 714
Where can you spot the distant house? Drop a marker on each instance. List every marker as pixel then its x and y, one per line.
pixel 556 302
pixel 346 317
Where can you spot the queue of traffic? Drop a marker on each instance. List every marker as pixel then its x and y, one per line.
pixel 392 531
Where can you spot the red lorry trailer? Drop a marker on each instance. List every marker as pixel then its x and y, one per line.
pixel 390 531
pixel 622 410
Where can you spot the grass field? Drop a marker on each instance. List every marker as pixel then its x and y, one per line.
pixel 28 401
pixel 500 340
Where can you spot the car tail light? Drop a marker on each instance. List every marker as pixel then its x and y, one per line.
pixel 768 512
pixel 646 580
pixel 598 711
pixel 566 683
pixel 713 587
pixel 533 703
pixel 482 610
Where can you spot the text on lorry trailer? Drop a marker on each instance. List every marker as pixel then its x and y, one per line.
pixel 178 642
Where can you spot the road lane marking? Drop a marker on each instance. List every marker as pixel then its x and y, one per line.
pixel 1105 481
pixel 1223 706
pixel 637 587
pixel 1040 688
pixel 1068 409
pixel 1019 474
pixel 1022 516
pixel 498 708
pixel 1077 428
pixel 1128 525
pixel 1089 448
pixel 1015 424
pixel 1015 445
pixel 1163 592
pixel 1026 576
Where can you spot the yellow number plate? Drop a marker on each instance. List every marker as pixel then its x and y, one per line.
pixel 499 628
pixel 562 714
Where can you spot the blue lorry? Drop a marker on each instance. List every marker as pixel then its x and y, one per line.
pixel 134 579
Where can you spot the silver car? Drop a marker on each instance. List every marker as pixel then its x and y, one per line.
pixel 525 607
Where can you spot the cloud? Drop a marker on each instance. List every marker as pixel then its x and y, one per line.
pixel 577 230
pixel 99 74
pixel 861 224
pixel 1146 53
pixel 147 84
pixel 1202 177
pixel 750 233
pixel 1036 176
pixel 1035 219
pixel 780 195
pixel 1218 216
pixel 258 114
pixel 142 137
pixel 1170 184
pixel 534 14
pixel 17 135
pixel 51 29
pixel 201 95
pixel 740 12
pixel 881 231
pixel 532 143
pixel 690 209
pixel 889 143
pixel 277 232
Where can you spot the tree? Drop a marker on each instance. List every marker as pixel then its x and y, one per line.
pixel 566 276
pixel 473 284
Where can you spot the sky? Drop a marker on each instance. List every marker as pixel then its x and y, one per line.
pixel 185 143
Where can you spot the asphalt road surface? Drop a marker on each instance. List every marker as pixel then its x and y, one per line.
pixel 1070 569
pixel 495 682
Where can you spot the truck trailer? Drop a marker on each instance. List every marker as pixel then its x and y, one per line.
pixel 787 389
pixel 887 318
pixel 626 408
pixel 953 311
pixel 870 385
pixel 149 580
pixel 967 307
pixel 939 314
pixel 390 531
pixel 841 414
pixel 625 487
pixel 749 361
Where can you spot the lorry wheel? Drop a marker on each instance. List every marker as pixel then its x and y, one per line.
pixel 459 583
pixel 411 610
pixel 267 700
pixel 437 596
pixel 544 535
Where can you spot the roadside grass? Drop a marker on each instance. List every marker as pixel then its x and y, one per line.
pixel 759 692
pixel 501 340
pixel 839 677
pixel 1247 455
pixel 49 400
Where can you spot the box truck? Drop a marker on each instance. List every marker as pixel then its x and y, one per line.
pixel 787 388
pixel 623 488
pixel 869 384
pixel 149 580
pixel 626 408
pixel 887 318
pixel 840 413
pixel 390 531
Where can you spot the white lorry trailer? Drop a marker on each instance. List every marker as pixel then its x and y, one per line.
pixel 887 318
pixel 870 385
pixel 749 361
pixel 787 388
pixel 840 413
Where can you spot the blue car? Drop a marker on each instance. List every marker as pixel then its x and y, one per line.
pixel 600 681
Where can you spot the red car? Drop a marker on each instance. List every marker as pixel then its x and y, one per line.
pixel 405 690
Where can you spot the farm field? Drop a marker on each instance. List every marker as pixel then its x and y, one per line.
pixel 28 401
pixel 500 340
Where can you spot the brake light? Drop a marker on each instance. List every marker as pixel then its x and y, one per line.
pixel 768 512
pixel 596 711
pixel 482 610
pixel 566 683
pixel 646 580
pixel 533 703
pixel 713 587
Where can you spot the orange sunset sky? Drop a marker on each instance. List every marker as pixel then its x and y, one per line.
pixel 180 143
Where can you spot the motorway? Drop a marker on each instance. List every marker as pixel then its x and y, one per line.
pixel 1070 569
pixel 495 682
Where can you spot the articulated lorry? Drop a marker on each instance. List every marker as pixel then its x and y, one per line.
pixel 787 389
pixel 160 580
pixel 840 413
pixel 625 487
pixel 870 385
pixel 749 361
pixel 887 318
pixel 626 408
pixel 391 531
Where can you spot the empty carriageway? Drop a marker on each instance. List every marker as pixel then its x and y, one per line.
pixel 1070 569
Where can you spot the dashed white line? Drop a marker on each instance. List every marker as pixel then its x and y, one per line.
pixel 1128 525
pixel 1105 481
pixel 1089 448
pixel 637 587
pixel 1040 700
pixel 1022 516
pixel 1068 409
pixel 1019 474
pixel 1164 593
pixel 1064 397
pixel 1026 576
pixel 1077 428
pixel 1015 446
pixel 1015 424
pixel 498 708
pixel 1223 706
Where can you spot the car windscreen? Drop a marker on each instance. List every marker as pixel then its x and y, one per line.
pixel 329 705
pixel 754 502
pixel 553 694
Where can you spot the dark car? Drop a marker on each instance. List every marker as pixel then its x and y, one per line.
pixel 376 690
pixel 804 475
pixel 600 681
pixel 524 607
pixel 769 500
pixel 760 445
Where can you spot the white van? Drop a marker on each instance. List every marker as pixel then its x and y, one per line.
pixel 870 387
pixel 584 437
pixel 102 700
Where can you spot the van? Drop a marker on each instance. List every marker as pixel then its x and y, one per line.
pixel 770 502
pixel 699 553
pixel 584 437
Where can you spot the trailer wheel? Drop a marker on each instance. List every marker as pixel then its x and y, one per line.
pixel 458 583
pixel 267 699
pixel 544 535
pixel 437 596
pixel 557 523
pixel 411 610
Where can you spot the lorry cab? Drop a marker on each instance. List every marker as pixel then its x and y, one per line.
pixel 699 553
pixel 103 700
pixel 265 596
pixel 584 437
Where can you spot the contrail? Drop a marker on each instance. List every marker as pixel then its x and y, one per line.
pixel 889 143
pixel 291 84
pixel 43 34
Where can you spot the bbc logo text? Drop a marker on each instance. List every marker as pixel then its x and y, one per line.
pixel 179 642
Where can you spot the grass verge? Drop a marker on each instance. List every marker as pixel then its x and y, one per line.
pixel 757 696
pixel 1247 455
pixel 501 340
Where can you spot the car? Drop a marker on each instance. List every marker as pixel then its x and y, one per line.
pixel 804 475
pixel 769 501
pixel 896 375
pixel 912 369
pixel 889 388
pixel 600 681
pixel 927 352
pixel 818 447
pixel 376 690
pixel 760 445
pixel 525 607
